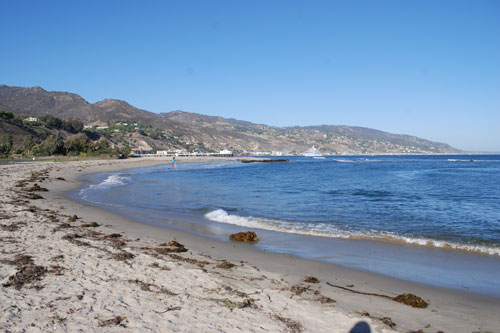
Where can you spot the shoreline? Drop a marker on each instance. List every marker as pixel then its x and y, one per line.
pixel 449 310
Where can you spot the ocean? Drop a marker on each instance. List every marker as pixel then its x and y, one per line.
pixel 430 219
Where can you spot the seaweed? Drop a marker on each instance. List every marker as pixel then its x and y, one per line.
pixel 147 287
pixel 293 326
pixel 406 298
pixel 36 188
pixel 311 279
pixel 200 263
pixel 113 321
pixel 72 218
pixel 246 237
pixel 298 289
pixel 9 227
pixel 326 300
pixel 386 320
pixel 27 273
pixel 123 256
pixel 225 265
pixel 90 225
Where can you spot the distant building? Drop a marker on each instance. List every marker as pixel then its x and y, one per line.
pixel 102 127
pixel 226 153
pixel 32 119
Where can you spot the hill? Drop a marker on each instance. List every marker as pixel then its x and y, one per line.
pixel 197 132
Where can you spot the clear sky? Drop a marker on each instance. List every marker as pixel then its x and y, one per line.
pixel 424 68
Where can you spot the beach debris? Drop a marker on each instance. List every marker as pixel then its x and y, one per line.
pixel 57 258
pixel 113 321
pixel 27 272
pixel 60 178
pixel 311 279
pixel 111 236
pixel 90 225
pixel 200 263
pixel 247 237
pixel 386 320
pixel 406 298
pixel 123 256
pixel 9 227
pixel 33 196
pixel 72 218
pixel 225 265
pixel 148 287
pixel 73 238
pixel 325 300
pixel 175 247
pixel 171 308
pixel 63 226
pixel 37 188
pixel 292 325
pixel 246 303
pixel 298 289
pixel 157 265
pixel 4 216
pixel 411 300
pixel 172 243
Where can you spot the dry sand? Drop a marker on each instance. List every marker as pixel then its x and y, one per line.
pixel 103 272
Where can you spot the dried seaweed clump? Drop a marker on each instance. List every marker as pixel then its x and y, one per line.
pixel 27 272
pixel 411 300
pixel 292 325
pixel 113 321
pixel 225 265
pixel 311 279
pixel 247 237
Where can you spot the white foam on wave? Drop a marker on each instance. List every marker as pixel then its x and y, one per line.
pixel 330 230
pixel 113 180
pixel 110 181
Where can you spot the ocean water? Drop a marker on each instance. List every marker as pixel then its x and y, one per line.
pixel 436 210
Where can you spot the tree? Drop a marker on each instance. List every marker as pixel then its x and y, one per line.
pixel 6 115
pixel 102 147
pixel 28 144
pixel 72 126
pixel 50 121
pixel 7 142
pixel 76 144
pixel 50 146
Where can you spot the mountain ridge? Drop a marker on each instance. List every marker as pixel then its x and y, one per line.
pixel 195 131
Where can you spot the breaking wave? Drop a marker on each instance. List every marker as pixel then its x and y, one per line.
pixel 330 230
pixel 110 181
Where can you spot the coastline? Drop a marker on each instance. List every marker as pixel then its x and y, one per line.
pixel 273 274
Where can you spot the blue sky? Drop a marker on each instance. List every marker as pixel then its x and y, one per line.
pixel 425 68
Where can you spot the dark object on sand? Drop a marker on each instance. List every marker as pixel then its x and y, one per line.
pixel 311 279
pixel 411 300
pixel 247 237
pixel 225 265
pixel 36 188
pixel 406 298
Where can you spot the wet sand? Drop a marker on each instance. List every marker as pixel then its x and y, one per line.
pixel 102 278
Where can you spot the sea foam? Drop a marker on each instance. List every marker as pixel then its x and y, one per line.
pixel 329 230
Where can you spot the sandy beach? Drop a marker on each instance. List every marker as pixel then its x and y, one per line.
pixel 66 266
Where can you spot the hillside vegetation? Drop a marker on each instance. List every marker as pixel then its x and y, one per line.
pixel 202 133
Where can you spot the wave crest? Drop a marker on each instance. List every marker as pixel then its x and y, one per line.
pixel 330 230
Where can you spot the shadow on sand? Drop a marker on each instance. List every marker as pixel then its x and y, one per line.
pixel 361 327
